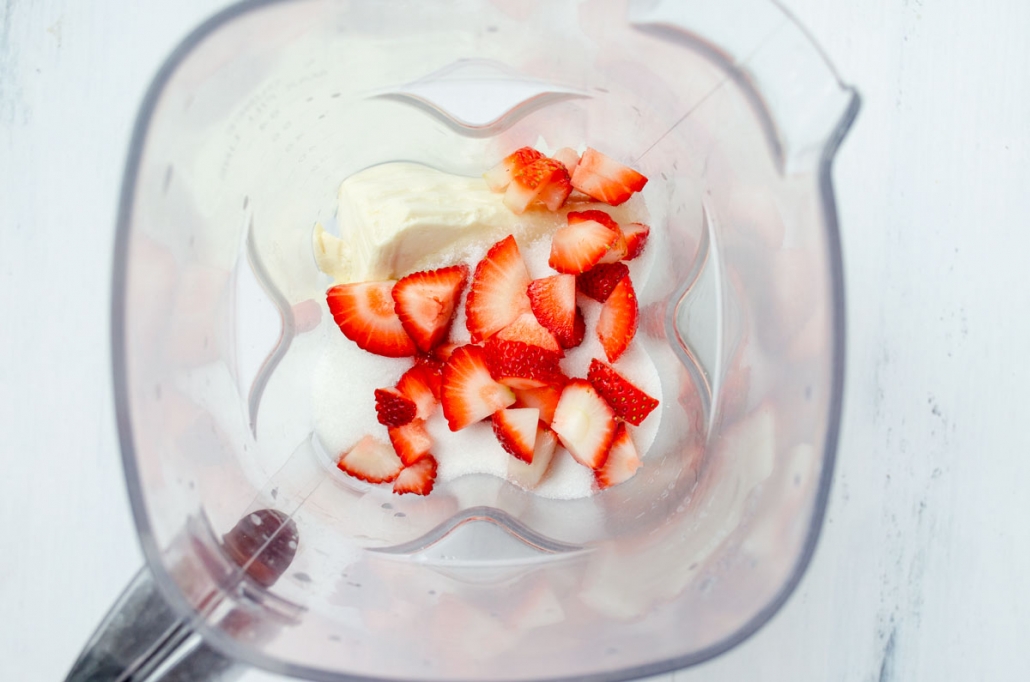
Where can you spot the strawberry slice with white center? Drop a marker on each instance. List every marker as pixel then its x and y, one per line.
pixel 598 282
pixel 579 329
pixel 371 460
pixel 617 251
pixel 527 329
pixel 522 365
pixel 626 400
pixel 364 312
pixel 580 245
pixel 584 423
pixel 516 429
pixel 617 324
pixel 425 301
pixel 498 177
pixel 568 157
pixel 418 478
pixel 553 300
pixel 410 441
pixel 417 386
pixel 544 180
pixel 544 398
pixel 528 476
pixel 636 239
pixel 468 393
pixel 622 463
pixel 393 408
pixel 498 292
pixel 605 179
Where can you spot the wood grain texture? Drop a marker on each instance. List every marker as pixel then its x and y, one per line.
pixel 923 570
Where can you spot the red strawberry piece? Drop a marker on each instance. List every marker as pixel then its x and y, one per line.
pixel 636 238
pixel 417 385
pixel 516 429
pixel 522 365
pixel 622 463
pixel 568 157
pixel 544 398
pixel 418 478
pixel 579 246
pixel 599 281
pixel 605 179
pixel 498 292
pixel 618 321
pixel 553 300
pixel 579 329
pixel 626 400
pixel 371 460
pixel 527 329
pixel 469 393
pixel 444 350
pixel 425 303
pixel 617 251
pixel 544 180
pixel 393 408
pixel 434 371
pixel 498 177
pixel 364 312
pixel 584 423
pixel 528 475
pixel 410 441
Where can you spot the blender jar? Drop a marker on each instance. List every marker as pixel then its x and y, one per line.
pixel 259 552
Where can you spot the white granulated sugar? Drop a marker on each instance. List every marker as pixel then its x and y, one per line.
pixel 344 392
pixel 566 479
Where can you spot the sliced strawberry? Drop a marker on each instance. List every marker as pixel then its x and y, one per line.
pixel 626 400
pixel 544 398
pixel 425 303
pixel 599 281
pixel 417 385
pixel 605 179
pixel 617 324
pixel 553 300
pixel 393 408
pixel 527 329
pixel 568 156
pixel 578 246
pixel 544 180
pixel 623 460
pixel 498 177
pixel 554 194
pixel 469 393
pixel 410 441
pixel 516 429
pixel 364 312
pixel 575 217
pixel 529 475
pixel 522 365
pixel 498 292
pixel 433 371
pixel 579 329
pixel 636 239
pixel 444 350
pixel 371 460
pixel 418 478
pixel 617 251
pixel 584 423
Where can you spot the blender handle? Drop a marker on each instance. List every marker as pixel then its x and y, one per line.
pixel 141 639
pixel 144 639
pixel 804 106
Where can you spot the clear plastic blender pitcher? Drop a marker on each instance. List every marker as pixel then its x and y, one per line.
pixel 258 553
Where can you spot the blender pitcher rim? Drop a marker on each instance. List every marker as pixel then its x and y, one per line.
pixel 239 652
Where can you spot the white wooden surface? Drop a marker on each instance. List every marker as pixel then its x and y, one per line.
pixel 923 571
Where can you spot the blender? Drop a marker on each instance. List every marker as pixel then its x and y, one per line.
pixel 256 552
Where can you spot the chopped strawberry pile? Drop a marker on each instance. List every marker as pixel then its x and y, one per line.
pixel 510 373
